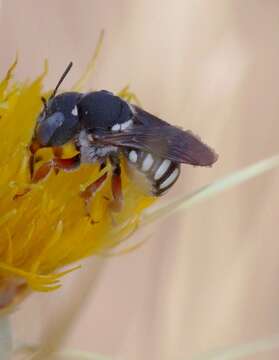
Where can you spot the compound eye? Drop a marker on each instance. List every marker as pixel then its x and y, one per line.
pixel 47 127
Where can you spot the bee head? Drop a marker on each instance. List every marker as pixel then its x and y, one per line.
pixel 59 121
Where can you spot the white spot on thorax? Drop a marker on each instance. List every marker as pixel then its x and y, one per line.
pixel 123 126
pixel 147 162
pixel 173 176
pixel 75 111
pixel 133 156
pixel 162 169
pixel 116 127
pixel 126 124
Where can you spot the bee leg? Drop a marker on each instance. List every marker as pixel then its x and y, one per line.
pixel 68 164
pixel 57 164
pixel 116 185
pixel 42 172
pixel 58 153
pixel 102 163
pixel 33 148
pixel 89 192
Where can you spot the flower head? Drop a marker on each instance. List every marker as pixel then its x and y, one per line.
pixel 44 226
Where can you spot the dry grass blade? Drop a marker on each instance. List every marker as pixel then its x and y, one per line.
pixel 54 338
pixel 58 332
pixel 67 354
pixel 5 338
pixel 241 351
pixel 78 355
pixel 218 186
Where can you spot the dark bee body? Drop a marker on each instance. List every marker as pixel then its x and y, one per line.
pixel 103 126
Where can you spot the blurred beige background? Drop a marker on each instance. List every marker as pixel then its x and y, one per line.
pixel 208 278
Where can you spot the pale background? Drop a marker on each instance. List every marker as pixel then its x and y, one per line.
pixel 209 277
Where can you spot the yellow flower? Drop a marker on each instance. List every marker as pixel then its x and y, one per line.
pixel 44 226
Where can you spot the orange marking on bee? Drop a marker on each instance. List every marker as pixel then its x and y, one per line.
pixel 89 192
pixel 92 188
pixel 57 151
pixel 33 148
pixel 42 172
pixel 67 164
pixel 116 186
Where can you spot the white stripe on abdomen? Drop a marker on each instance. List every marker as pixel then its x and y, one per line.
pixel 170 179
pixel 160 173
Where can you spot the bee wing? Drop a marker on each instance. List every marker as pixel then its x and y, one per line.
pixel 158 137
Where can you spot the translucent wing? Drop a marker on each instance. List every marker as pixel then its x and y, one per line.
pixel 156 136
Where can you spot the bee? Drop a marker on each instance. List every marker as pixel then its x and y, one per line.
pixel 103 127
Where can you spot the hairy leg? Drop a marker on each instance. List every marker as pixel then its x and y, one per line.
pixel 90 191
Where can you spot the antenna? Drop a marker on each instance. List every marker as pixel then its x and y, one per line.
pixel 68 68
pixel 44 101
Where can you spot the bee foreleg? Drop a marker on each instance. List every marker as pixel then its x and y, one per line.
pixel 57 164
pixel 116 185
pixel 67 164
pixel 57 151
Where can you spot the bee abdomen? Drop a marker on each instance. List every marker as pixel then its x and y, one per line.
pixel 160 173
